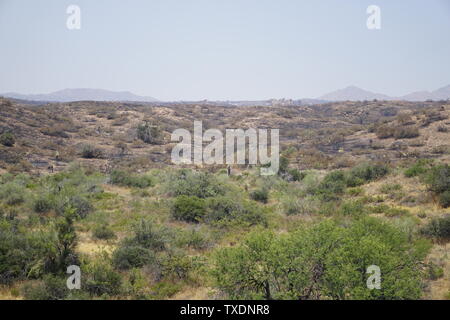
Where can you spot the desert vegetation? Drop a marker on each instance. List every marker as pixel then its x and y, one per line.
pixel 140 227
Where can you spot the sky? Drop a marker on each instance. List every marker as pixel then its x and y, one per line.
pixel 224 49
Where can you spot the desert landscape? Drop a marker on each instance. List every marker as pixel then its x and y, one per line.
pixel 91 183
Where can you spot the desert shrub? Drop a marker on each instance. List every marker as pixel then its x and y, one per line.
pixel 12 193
pixel 188 208
pixel 442 129
pixel 297 175
pixel 420 167
pixel 437 228
pixel 398 132
pixel 127 179
pixel 50 288
pixel 325 260
pixel 194 238
pixel 7 139
pixel 176 265
pixel 406 132
pixel 352 208
pixel 42 204
pixel 438 178
pixel 101 279
pixel 103 232
pixel 130 256
pixel 149 133
pixel 80 205
pixel 223 210
pixel 55 131
pixel 148 235
pixel 90 152
pixel 192 183
pixel 365 173
pixel 261 195
pixel 332 186
pixel 444 199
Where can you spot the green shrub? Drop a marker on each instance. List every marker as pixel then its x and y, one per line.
pixel 261 195
pixel 189 209
pixel 150 236
pixel 50 288
pixel 42 204
pixel 418 168
pixel 12 193
pixel 365 173
pixel 103 232
pixel 438 178
pixel 123 178
pixel 7 139
pixel 191 183
pixel 101 279
pixel 223 210
pixel 352 208
pixel 325 260
pixel 437 228
pixel 444 199
pixel 128 256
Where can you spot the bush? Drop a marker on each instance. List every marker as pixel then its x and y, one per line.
pixel 90 152
pixel 407 132
pixel 444 199
pixel 128 256
pixel 126 179
pixel 101 279
pixel 223 210
pixel 51 288
pixel 438 178
pixel 418 168
pixel 261 195
pixel 437 228
pixel 149 236
pixel 103 232
pixel 12 193
pixel 149 133
pixel 7 139
pixel 191 183
pixel 322 261
pixel 189 209
pixel 42 204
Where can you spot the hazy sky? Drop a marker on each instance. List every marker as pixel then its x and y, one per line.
pixel 224 49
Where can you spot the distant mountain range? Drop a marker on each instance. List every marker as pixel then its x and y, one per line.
pixel 353 93
pixel 350 93
pixel 68 95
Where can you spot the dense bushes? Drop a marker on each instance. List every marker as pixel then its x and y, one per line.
pixel 335 183
pixel 438 228
pixel 140 249
pixel 223 210
pixel 438 180
pixel 127 179
pixel 189 209
pixel 261 195
pixel 192 183
pixel 322 262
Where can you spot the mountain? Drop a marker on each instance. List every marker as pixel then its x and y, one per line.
pixel 439 94
pixel 82 94
pixel 353 93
